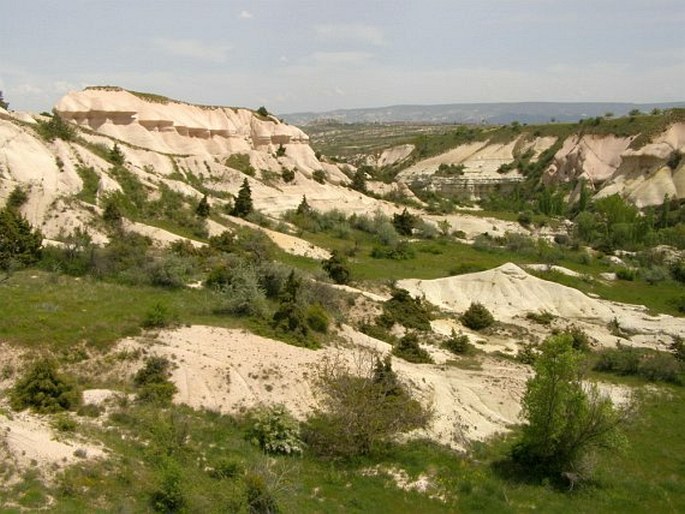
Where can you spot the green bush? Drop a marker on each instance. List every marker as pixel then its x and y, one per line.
pixel 361 409
pixel 407 311
pixel 275 431
pixel 152 381
pixel 91 184
pixel 317 318
pixel 408 348
pixel 260 498
pixel 626 274
pixel 337 268
pixel 17 198
pixel 241 162
pixel 56 128
pixel 542 317
pixel 477 317
pixel 158 316
pixel 287 175
pixel 44 389
pixel 319 176
pixel 458 344
pixel 648 364
pixel 169 496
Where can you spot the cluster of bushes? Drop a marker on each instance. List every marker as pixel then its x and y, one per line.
pixel 152 381
pixel 649 364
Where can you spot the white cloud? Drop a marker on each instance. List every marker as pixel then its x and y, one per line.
pixel 193 48
pixel 358 33
pixel 245 15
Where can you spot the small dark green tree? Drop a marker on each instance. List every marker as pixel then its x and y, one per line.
pixel 202 209
pixel 116 156
pixel 112 212
pixel 288 175
pixel 262 111
pixel 243 203
pixel 152 381
pixel 290 317
pixel 359 180
pixel 19 242
pixel 564 419
pixel 337 268
pixel 477 317
pixel 3 104
pixel 408 348
pixel 304 209
pixel 280 151
pixel 44 389
pixel 404 223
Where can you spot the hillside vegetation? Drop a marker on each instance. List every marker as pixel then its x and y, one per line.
pixel 244 324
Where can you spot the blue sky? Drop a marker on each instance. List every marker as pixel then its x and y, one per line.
pixel 305 55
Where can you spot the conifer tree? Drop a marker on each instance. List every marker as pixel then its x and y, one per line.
pixel 243 203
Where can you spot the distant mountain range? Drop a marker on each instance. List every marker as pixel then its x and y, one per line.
pixel 489 113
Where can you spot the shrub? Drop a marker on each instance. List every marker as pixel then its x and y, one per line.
pixel 317 318
pixel 56 128
pixel 477 317
pixel 337 268
pixel 158 317
pixel 44 389
pixel 288 175
pixel 404 222
pixel 361 409
pixel 280 152
pixel 116 156
pixel 169 495
pixel 564 419
pixel 458 344
pixel 17 198
pixel 542 317
pixel 260 499
pixel 319 176
pixel 90 184
pixel 275 431
pixel 408 348
pixel 203 209
pixel 241 162
pixel 626 274
pixel 152 381
pixel 242 293
pixel 263 112
pixel 405 310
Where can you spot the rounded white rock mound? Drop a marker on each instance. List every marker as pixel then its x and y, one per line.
pixel 507 291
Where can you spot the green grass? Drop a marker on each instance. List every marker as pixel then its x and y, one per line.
pixel 44 309
pixel 645 478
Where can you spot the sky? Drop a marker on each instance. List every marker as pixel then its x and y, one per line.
pixel 306 55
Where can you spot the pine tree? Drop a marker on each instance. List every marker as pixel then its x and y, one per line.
pixel 3 104
pixel 243 203
pixel 202 209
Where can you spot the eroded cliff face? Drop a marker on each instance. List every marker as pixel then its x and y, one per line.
pixel 174 127
pixel 609 164
pixel 163 143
